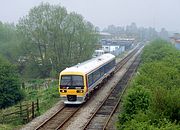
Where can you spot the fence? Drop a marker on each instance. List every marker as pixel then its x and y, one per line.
pixel 23 112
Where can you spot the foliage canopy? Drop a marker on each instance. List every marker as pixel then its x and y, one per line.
pixel 10 92
pixel 158 75
pixel 53 39
pixel 9 42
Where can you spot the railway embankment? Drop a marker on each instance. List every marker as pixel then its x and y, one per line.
pixel 153 98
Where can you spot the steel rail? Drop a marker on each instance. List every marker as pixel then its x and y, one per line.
pixel 118 67
pixel 103 102
pixel 117 104
pixel 45 122
pixel 67 119
pixel 125 59
pixel 64 113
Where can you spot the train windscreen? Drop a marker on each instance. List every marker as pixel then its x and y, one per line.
pixel 71 81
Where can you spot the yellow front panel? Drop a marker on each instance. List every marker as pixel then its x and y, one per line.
pixel 73 91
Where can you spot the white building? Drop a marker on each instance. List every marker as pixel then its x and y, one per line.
pixel 113 48
pixel 175 40
pixel 98 53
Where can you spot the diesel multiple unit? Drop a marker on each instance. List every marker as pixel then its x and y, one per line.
pixel 78 82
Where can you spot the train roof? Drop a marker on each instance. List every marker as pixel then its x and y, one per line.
pixel 90 65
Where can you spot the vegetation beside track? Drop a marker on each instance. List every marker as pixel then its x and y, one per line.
pixel 10 92
pixel 153 98
pixel 44 42
pixel 47 98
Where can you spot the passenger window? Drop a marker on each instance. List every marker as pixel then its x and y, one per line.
pixel 96 75
pixel 102 71
pixel 90 80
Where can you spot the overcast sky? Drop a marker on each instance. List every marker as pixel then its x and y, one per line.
pixel 154 13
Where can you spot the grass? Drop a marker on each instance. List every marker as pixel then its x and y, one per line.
pixel 7 127
pixel 47 98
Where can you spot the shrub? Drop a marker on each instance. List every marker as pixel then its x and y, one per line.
pixel 166 103
pixel 157 50
pixel 158 74
pixel 159 77
pixel 137 99
pixel 142 121
pixel 9 85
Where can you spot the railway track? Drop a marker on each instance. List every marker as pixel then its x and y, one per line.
pixel 60 118
pixel 101 117
pixel 57 120
pixel 126 59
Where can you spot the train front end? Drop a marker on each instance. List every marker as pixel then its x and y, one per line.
pixel 72 87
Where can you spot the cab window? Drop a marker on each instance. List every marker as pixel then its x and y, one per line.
pixel 66 80
pixel 77 81
pixel 71 81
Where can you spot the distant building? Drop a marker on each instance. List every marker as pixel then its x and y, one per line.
pixel 98 53
pixel 175 40
pixel 177 44
pixel 113 48
pixel 115 43
pixel 105 35
pixel 110 47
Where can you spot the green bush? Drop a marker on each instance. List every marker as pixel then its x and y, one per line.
pixel 155 103
pixel 157 50
pixel 136 99
pixel 166 103
pixel 142 121
pixel 158 74
pixel 9 85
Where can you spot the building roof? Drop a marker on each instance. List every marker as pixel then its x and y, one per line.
pixel 177 41
pixel 111 44
pixel 105 34
pixel 176 36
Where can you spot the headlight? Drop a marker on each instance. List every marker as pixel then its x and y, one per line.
pixel 80 91
pixel 63 91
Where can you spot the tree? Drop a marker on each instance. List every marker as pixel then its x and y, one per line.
pixel 9 84
pixel 9 42
pixel 53 39
pixel 139 33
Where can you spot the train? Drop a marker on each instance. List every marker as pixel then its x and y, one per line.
pixel 78 82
